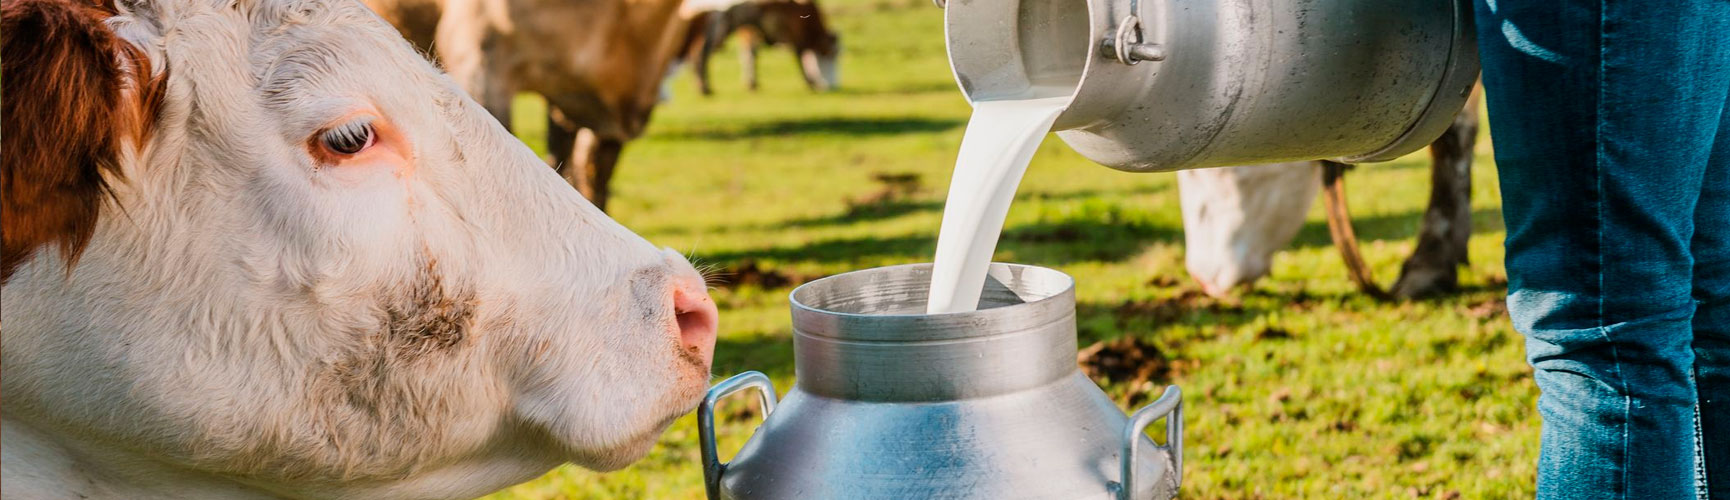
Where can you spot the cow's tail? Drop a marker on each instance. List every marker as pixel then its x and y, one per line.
pixel 1340 228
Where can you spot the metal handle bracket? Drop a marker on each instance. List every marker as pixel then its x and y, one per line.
pixel 1170 407
pixel 713 467
pixel 1128 45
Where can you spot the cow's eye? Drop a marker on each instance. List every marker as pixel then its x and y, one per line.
pixel 349 138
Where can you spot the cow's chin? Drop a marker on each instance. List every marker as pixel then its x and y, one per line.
pixel 635 416
pixel 631 443
pixel 629 451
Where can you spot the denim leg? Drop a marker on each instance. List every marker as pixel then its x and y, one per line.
pixel 1712 318
pixel 1604 114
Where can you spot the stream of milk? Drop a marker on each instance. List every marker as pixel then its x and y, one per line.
pixel 1000 139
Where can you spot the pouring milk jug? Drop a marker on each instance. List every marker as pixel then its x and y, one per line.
pixel 1160 85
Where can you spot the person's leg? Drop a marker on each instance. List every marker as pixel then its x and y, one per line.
pixel 1603 122
pixel 1712 319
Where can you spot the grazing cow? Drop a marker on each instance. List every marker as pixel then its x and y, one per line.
pixel 1235 218
pixel 262 249
pixel 796 23
pixel 598 63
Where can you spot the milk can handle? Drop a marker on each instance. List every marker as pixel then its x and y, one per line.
pixel 712 464
pixel 1170 407
pixel 1129 45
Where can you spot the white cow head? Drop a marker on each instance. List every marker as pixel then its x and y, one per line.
pixel 263 247
pixel 1235 218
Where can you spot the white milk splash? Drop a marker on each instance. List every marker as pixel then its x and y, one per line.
pixel 1000 139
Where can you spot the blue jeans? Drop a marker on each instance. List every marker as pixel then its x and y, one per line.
pixel 1612 138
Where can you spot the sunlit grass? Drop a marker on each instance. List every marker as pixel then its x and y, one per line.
pixel 1362 399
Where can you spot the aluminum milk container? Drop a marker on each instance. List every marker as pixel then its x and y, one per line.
pixel 1163 85
pixel 891 403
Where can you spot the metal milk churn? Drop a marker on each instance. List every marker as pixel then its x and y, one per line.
pixel 1162 85
pixel 891 403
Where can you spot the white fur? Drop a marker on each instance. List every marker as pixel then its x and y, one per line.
pixel 1235 218
pixel 226 333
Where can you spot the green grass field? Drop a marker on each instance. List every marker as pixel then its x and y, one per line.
pixel 1300 388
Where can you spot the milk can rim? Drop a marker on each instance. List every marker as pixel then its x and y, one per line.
pixel 812 321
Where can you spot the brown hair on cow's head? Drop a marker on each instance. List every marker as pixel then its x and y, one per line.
pixel 75 93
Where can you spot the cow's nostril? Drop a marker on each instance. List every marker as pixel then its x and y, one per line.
pixel 698 319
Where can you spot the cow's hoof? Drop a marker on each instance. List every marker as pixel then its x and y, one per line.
pixel 1420 282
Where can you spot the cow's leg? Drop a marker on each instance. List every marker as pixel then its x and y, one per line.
pixel 714 33
pixel 1447 226
pixel 809 68
pixel 700 68
pixel 561 141
pixel 592 162
pixel 585 160
pixel 748 59
pixel 1340 229
pixel 603 160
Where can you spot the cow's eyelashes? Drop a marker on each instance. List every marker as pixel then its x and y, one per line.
pixel 350 137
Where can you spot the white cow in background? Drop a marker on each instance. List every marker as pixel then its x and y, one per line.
pixel 263 249
pixel 1236 218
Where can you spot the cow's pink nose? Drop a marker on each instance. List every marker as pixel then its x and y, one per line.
pixel 697 317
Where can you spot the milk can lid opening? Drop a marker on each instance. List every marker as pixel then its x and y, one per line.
pixel 904 290
pixel 1007 49
pixel 888 303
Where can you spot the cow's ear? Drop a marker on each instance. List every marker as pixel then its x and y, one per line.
pixel 72 99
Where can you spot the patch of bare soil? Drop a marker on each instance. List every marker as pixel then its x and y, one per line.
pixel 1273 333
pixel 1128 361
pixel 749 273
pixel 1174 308
pixel 1492 308
pixel 1059 234
pixel 894 189
pixel 1302 300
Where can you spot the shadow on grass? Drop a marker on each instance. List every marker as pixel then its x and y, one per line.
pixel 834 125
pixel 1400 226
pixel 892 208
pixel 1207 317
pixel 929 87
pixel 1061 242
pixel 1105 321
pixel 1047 243
pixel 835 251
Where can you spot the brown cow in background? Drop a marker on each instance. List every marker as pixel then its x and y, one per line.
pixel 598 63
pixel 797 24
